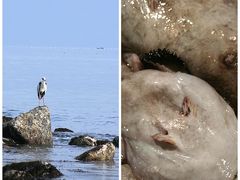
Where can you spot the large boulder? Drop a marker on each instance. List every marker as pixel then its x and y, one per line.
pixel 103 152
pixel 30 170
pixel 33 127
pixel 83 141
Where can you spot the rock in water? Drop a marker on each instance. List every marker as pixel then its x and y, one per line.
pixel 62 130
pixel 83 141
pixel 115 141
pixel 30 170
pixel 100 153
pixel 33 127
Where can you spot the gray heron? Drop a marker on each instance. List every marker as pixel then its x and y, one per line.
pixel 41 89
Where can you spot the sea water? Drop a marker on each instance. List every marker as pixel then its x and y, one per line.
pixel 82 96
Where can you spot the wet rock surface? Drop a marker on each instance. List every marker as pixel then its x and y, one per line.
pixel 62 130
pixel 100 153
pixel 33 127
pixel 83 141
pixel 30 170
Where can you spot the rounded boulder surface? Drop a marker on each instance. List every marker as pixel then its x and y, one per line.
pixel 83 141
pixel 100 153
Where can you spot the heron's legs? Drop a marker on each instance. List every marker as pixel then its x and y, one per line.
pixel 43 101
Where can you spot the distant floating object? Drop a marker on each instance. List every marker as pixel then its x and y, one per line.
pixel 100 47
pixel 42 89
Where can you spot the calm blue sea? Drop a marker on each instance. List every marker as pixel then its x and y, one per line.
pixel 82 96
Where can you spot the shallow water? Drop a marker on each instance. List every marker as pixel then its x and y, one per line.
pixel 82 96
pixel 62 156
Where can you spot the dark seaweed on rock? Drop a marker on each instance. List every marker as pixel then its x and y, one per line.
pixel 164 57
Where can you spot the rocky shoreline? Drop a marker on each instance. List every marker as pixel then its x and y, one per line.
pixel 34 129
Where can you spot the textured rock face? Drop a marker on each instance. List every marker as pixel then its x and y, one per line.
pixel 175 126
pixel 33 127
pixel 83 141
pixel 30 170
pixel 202 33
pixel 100 153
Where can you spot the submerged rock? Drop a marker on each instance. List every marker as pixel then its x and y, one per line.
pixel 100 153
pixel 30 170
pixel 116 141
pixel 62 130
pixel 83 141
pixel 33 127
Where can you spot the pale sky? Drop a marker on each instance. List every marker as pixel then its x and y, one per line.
pixel 64 23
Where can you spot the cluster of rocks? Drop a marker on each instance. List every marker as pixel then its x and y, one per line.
pixel 34 128
pixel 85 140
pixel 104 150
